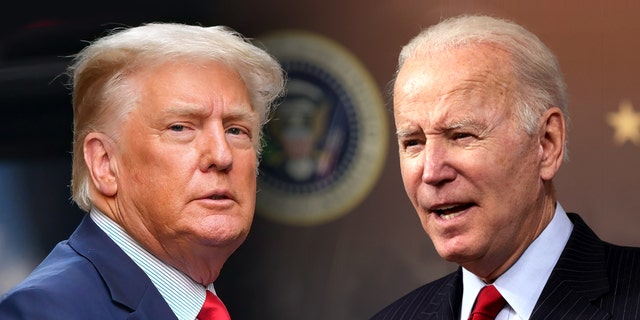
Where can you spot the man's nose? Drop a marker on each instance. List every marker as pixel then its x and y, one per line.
pixel 215 150
pixel 437 168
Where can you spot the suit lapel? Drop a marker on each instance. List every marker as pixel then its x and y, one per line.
pixel 447 301
pixel 128 284
pixel 152 308
pixel 578 278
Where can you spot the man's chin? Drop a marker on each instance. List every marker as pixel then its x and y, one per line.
pixel 224 238
pixel 459 254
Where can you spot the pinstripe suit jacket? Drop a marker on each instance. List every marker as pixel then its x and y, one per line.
pixel 592 280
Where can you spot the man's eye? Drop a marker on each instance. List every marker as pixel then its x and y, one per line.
pixel 461 135
pixel 177 128
pixel 234 131
pixel 410 143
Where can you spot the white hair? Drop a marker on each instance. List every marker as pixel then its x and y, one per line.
pixel 540 81
pixel 98 73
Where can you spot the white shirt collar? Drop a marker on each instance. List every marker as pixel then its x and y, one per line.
pixel 184 296
pixel 522 284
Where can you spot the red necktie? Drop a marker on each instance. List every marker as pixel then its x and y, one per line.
pixel 488 304
pixel 213 309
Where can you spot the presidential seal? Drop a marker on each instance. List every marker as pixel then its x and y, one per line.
pixel 327 140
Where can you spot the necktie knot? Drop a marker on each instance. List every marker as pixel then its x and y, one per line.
pixel 488 304
pixel 213 309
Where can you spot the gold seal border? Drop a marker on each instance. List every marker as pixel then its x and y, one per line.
pixel 371 152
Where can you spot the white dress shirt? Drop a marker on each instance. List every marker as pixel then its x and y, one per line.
pixel 522 284
pixel 183 295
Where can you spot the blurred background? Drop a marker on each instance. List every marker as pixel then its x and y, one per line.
pixel 371 250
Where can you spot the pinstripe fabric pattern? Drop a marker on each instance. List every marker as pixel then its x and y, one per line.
pixel 592 280
pixel 440 299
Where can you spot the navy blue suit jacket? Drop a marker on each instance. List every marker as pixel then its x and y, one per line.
pixel 592 280
pixel 86 277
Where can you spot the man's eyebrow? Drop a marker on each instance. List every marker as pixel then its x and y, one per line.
pixel 446 127
pixel 463 123
pixel 242 115
pixel 402 133
pixel 184 110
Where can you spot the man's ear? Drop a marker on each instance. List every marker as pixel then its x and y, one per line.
pixel 552 141
pixel 101 162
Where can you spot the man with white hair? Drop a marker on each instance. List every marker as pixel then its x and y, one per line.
pixel 480 108
pixel 167 133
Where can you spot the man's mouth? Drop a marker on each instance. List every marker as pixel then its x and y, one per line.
pixel 449 212
pixel 219 195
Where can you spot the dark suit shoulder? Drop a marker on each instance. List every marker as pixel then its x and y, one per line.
pixel 426 301
pixel 56 289
pixel 86 277
pixel 620 265
pixel 592 279
pixel 623 271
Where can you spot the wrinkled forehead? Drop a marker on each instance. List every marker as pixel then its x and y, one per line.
pixel 455 71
